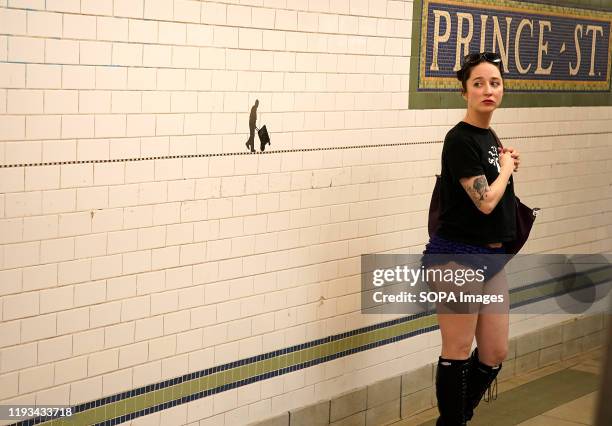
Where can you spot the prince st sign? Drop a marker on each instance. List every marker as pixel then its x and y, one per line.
pixel 552 55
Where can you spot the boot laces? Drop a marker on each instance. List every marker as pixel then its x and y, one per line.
pixel 464 390
pixel 491 394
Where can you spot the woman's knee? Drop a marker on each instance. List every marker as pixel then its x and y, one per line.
pixel 456 349
pixel 493 356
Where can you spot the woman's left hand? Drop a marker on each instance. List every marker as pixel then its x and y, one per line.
pixel 515 156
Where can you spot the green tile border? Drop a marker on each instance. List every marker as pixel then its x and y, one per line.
pixel 301 356
pixel 448 100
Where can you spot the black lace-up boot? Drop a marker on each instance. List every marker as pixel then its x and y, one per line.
pixel 452 391
pixel 482 378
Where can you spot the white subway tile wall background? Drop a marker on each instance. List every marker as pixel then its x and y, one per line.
pixel 119 274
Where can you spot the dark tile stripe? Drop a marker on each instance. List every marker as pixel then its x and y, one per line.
pixel 364 330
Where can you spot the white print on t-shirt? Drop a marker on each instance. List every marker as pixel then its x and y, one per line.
pixel 494 158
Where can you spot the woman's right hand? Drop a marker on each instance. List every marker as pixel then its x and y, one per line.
pixel 506 161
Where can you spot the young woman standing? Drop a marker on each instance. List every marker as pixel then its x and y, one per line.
pixel 477 216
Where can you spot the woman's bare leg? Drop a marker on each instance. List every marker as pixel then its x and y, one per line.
pixel 493 323
pixel 457 320
pixel 458 332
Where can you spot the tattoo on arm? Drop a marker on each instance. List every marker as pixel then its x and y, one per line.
pixel 478 189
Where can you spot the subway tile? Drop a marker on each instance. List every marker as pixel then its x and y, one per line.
pixel 129 8
pixel 317 414
pixel 97 7
pixel 159 10
pixel 417 402
pixel 528 343
pixel 13 21
pixel 417 380
pixel 26 49
pixel 358 419
pixel 81 27
pixel 62 52
pixel 348 405
pixel 385 413
pixel 112 29
pixel 384 391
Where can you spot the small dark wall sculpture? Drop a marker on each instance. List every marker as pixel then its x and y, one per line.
pixel 264 138
pixel 250 143
pixel 262 132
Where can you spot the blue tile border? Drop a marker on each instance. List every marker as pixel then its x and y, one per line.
pixel 171 382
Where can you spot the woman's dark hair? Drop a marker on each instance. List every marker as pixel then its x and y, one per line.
pixel 473 59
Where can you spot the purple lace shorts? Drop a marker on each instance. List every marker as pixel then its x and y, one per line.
pixel 440 250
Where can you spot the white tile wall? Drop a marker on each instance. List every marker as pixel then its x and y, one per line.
pixel 119 274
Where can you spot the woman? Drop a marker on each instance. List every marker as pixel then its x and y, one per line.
pixel 477 215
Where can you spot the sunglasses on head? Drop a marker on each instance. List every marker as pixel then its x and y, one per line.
pixel 474 58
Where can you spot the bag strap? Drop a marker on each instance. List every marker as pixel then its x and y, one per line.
pixel 499 144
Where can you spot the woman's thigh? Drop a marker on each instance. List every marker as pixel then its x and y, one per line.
pixel 457 319
pixel 493 323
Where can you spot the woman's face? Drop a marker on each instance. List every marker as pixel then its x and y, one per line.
pixel 484 88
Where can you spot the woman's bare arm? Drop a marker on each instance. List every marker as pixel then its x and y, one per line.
pixel 485 196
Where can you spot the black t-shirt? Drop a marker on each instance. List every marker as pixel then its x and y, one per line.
pixel 472 151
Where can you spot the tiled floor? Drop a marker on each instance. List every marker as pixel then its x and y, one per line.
pixel 562 394
pixel 578 412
